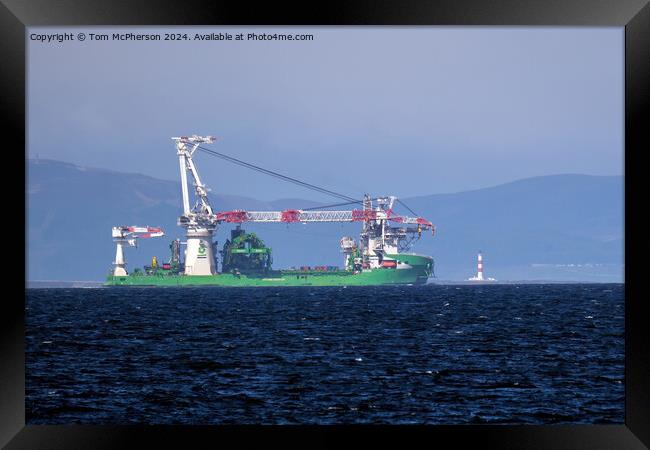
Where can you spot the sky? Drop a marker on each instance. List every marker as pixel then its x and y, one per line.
pixel 386 110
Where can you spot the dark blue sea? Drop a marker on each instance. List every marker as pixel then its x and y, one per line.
pixel 435 354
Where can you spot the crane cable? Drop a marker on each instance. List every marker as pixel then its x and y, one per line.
pixel 294 180
pixel 279 175
pixel 405 206
pixel 332 206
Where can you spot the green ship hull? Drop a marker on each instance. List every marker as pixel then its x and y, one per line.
pixel 419 269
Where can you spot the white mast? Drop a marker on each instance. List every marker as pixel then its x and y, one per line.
pixel 183 166
pixel 199 221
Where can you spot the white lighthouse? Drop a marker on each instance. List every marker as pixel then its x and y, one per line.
pixel 479 275
pixel 479 270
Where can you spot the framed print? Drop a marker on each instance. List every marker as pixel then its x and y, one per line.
pixel 369 218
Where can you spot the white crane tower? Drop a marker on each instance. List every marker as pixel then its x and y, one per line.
pixel 199 221
pixel 128 235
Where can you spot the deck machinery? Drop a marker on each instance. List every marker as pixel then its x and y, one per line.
pixel 379 257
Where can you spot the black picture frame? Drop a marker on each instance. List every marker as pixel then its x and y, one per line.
pixel 634 15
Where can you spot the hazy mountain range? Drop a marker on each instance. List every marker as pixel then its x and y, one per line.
pixel 560 227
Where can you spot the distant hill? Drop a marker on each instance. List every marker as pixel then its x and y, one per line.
pixel 564 227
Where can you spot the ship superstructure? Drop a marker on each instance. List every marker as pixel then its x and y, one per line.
pixel 378 257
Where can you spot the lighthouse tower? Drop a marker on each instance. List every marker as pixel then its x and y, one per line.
pixel 479 270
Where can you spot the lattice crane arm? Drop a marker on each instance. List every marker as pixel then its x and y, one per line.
pixel 296 215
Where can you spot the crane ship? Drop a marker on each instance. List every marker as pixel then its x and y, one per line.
pixel 379 256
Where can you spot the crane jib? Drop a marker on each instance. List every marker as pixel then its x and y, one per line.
pixel 294 215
